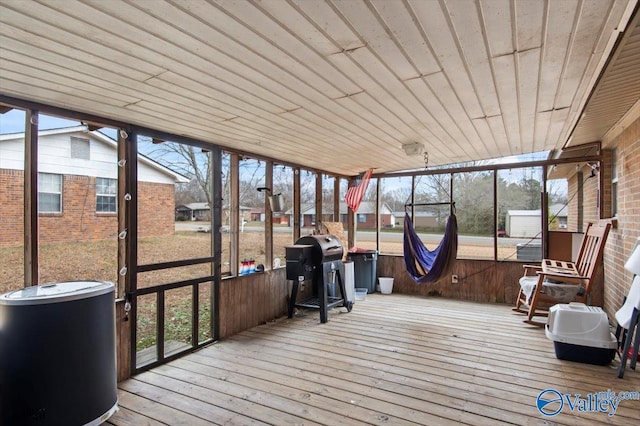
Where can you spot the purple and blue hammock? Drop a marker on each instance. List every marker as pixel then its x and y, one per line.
pixel 424 265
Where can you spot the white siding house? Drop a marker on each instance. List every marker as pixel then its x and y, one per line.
pixel 76 151
pixel 78 188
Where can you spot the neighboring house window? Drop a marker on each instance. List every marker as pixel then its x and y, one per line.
pixel 362 218
pixel 106 191
pixel 49 193
pixel 614 183
pixel 80 148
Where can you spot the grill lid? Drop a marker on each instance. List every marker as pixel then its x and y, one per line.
pixel 326 248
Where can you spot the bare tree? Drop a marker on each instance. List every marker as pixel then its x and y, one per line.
pixel 189 192
pixel 195 163
pixel 190 161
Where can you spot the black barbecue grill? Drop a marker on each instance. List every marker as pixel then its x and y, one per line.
pixel 317 258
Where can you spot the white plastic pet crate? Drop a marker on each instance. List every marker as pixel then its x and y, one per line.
pixel 581 333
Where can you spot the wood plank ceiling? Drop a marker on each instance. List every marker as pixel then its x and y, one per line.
pixel 335 85
pixel 615 101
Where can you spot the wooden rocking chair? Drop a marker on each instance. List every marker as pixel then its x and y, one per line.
pixel 557 281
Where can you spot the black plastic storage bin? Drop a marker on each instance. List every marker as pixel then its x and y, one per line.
pixel 364 268
pixel 584 354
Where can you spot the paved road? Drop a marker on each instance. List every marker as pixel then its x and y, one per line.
pixel 368 236
pixel 201 226
pixel 434 238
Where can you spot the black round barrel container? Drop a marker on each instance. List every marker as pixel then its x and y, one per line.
pixel 57 354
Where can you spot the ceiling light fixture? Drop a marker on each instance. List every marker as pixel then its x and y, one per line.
pixel 414 148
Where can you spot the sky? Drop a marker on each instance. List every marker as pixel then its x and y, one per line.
pixel 13 122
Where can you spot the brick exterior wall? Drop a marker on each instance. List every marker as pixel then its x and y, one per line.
pixel 156 209
pixel 589 205
pixel 590 200
pixel 11 207
pixel 622 239
pixel 79 220
pixel 572 207
pixel 606 175
pixel 594 204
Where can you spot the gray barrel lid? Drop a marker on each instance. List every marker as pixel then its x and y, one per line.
pixel 56 292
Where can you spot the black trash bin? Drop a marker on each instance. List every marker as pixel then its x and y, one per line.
pixel 364 268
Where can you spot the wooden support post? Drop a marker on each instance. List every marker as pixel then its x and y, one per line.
pixel 123 317
pixel 413 198
pixel 351 226
pixel 31 266
pixel 580 200
pixel 544 208
pixel 216 242
pixel 234 220
pixel 336 200
pixel 495 215
pixel 123 232
pixel 268 217
pixel 296 204
pixel 378 194
pixel 129 202
pixel 318 206
pixel 123 341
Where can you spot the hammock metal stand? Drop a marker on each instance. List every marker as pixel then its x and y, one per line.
pixel 452 205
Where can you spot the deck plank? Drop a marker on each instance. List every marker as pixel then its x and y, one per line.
pixel 182 409
pixel 127 417
pixel 155 410
pixel 394 360
pixel 330 408
pixel 229 397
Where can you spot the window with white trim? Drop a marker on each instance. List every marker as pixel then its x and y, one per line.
pixel 106 191
pixel 49 193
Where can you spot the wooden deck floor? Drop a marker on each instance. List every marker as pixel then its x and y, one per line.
pixel 393 360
